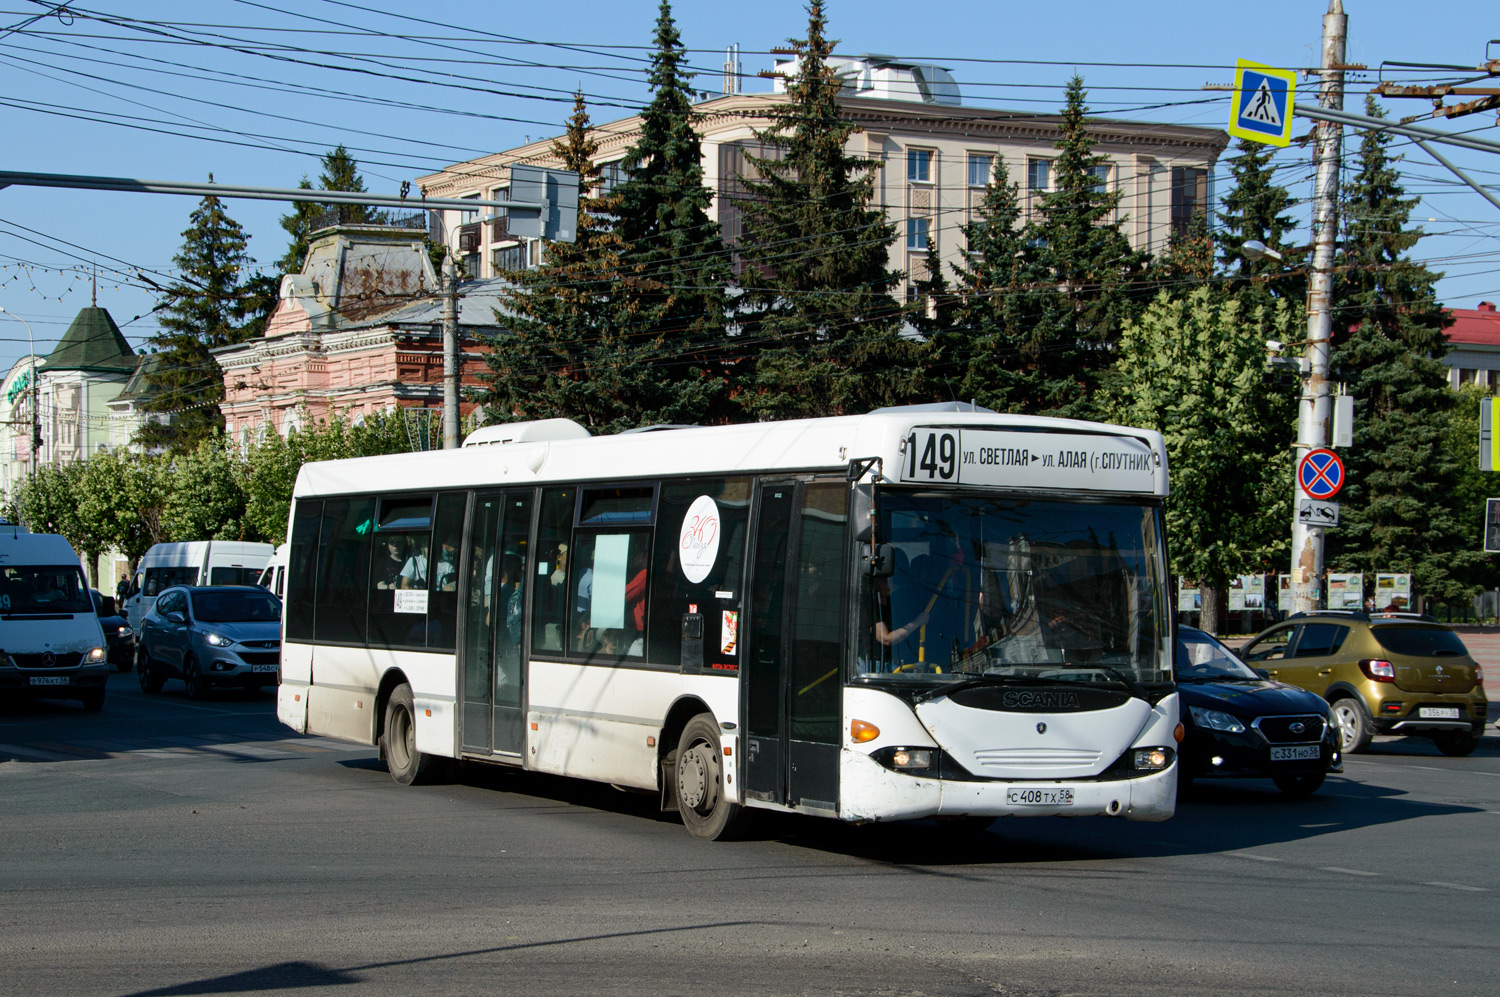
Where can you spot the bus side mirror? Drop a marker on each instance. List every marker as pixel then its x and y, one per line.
pixel 879 561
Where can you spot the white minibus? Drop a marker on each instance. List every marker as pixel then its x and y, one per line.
pixel 51 645
pixel 193 562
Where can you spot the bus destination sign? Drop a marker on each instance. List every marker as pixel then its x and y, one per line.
pixel 1028 460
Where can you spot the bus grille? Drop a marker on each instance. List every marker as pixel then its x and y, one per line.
pixel 1036 757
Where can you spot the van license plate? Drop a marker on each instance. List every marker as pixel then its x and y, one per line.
pixel 1438 712
pixel 268 669
pixel 1040 797
pixel 48 680
pixel 1298 754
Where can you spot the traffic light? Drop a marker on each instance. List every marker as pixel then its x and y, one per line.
pixel 1492 526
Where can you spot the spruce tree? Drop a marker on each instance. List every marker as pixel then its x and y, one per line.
pixel 571 348
pixel 817 287
pixel 203 309
pixel 669 239
pixel 1398 505
pixel 980 346
pixel 1256 209
pixel 340 172
pixel 1081 274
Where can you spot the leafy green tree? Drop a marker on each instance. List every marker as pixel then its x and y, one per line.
pixel 817 287
pixel 272 462
pixel 203 309
pixel 48 503
pixel 1191 368
pixel 207 496
pixel 1398 505
pixel 299 223
pixel 1082 276
pixel 669 239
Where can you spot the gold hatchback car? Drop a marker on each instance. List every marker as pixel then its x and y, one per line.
pixel 1381 673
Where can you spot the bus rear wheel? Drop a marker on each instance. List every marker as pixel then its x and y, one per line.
pixel 700 783
pixel 398 740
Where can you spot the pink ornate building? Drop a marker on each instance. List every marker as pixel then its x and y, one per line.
pixel 358 331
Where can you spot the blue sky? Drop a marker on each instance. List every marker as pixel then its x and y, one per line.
pixel 475 80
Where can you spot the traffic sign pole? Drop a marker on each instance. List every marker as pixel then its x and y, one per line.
pixel 1313 407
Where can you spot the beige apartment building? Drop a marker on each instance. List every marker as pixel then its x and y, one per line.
pixel 936 156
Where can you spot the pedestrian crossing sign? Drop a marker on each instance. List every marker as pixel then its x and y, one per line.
pixel 1262 107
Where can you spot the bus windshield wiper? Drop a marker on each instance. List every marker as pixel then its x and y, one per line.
pixel 1136 689
pixel 979 680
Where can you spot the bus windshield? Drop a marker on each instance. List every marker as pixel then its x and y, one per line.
pixel 43 589
pixel 1038 589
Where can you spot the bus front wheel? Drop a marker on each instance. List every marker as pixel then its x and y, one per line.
pixel 700 783
pixel 398 741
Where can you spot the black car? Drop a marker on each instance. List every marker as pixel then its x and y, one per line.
pixel 119 638
pixel 1241 724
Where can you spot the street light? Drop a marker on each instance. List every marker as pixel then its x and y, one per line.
pixel 36 429
pixel 1254 249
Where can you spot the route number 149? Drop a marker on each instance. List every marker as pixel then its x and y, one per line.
pixel 934 458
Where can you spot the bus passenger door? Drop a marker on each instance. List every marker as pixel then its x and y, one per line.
pixel 793 690
pixel 491 652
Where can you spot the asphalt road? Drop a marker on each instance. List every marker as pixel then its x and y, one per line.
pixel 166 847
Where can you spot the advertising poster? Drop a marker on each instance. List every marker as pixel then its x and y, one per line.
pixel 1346 591
pixel 1392 591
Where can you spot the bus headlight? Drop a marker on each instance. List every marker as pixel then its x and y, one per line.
pixel 1151 759
pixel 911 758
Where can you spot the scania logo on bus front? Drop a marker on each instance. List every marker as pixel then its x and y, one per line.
pixel 1040 699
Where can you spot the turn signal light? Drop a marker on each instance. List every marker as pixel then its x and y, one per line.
pixel 861 731
pixel 1377 669
pixel 1178 733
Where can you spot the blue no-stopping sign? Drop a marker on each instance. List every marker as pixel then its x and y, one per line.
pixel 1321 474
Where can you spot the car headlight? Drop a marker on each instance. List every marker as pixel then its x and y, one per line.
pixel 96 654
pixel 124 631
pixel 1216 720
pixel 218 640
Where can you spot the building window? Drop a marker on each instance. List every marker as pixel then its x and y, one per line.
pixel 1038 179
pixel 611 175
pixel 467 216
pixel 916 234
pixel 919 165
pixel 1189 196
pixel 980 169
pixel 1101 177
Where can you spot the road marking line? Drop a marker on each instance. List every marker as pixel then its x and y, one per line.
pixel 1257 858
pixel 1350 872
pixel 1459 886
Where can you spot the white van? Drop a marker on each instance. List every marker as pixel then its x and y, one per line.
pixel 193 562
pixel 274 577
pixel 50 642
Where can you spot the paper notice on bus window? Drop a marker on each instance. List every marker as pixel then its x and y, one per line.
pixel 411 600
pixel 611 562
pixel 730 633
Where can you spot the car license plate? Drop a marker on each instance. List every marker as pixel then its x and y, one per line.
pixel 1040 797
pixel 257 669
pixel 1438 712
pixel 48 680
pixel 1301 753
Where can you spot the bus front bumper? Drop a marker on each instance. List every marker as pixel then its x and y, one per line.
pixel 868 791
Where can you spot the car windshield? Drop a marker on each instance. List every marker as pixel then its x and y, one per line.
pixel 1419 641
pixel 248 606
pixel 1015 588
pixel 1201 657
pixel 47 588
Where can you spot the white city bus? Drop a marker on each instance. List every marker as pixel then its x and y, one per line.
pixel 914 613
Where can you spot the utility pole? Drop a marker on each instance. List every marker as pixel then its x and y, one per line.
pixel 450 353
pixel 1313 407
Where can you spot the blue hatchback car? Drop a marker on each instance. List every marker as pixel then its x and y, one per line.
pixel 211 636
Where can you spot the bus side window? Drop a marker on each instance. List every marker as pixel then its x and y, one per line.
pixel 717 593
pixel 343 561
pixel 442 604
pixel 555 564
pixel 302 566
